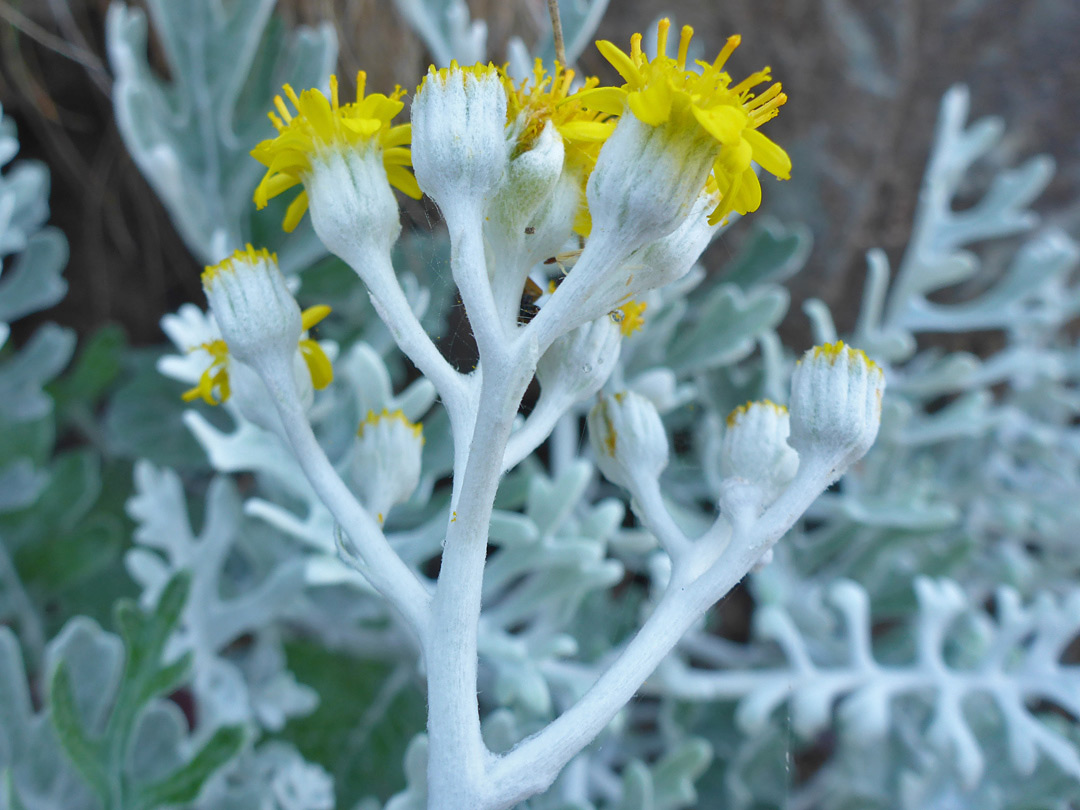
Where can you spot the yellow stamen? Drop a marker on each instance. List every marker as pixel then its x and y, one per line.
pixel 753 80
pixel 283 111
pixel 765 97
pixel 732 43
pixel 661 38
pixel 684 46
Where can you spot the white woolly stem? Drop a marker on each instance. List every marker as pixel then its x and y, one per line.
pixel 469 266
pixel 383 567
pixel 650 507
pixel 533 764
pixel 393 308
pixel 457 756
pixel 536 429
pixel 570 305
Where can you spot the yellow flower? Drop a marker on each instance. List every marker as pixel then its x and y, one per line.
pixel 214 385
pixel 664 92
pixel 542 98
pixel 321 124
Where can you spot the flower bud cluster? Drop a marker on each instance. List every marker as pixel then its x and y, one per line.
pixel 834 416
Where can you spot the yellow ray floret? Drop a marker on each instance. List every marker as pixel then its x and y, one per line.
pixel 213 385
pixel 664 92
pixel 631 316
pixel 319 124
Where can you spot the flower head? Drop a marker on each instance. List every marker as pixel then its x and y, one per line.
pixel 320 125
pixel 459 134
pixel 256 313
pixel 627 438
pixel 755 448
pixel 386 460
pixel 664 92
pixel 836 395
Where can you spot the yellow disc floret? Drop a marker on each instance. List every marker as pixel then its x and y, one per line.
pixel 742 410
pixel 663 92
pixel 375 417
pixel 319 124
pixel 247 255
pixel 832 352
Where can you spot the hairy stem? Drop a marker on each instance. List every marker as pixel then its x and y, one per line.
pixel 383 567
pixel 457 757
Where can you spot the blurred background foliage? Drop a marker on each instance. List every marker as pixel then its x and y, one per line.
pixel 864 78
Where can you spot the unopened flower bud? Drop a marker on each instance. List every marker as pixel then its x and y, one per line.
pixel 579 363
pixel 835 404
pixel 670 258
pixel 628 438
pixel 385 465
pixel 459 147
pixel 530 180
pixel 258 316
pixel 755 448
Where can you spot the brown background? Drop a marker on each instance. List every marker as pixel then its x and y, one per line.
pixel 859 137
